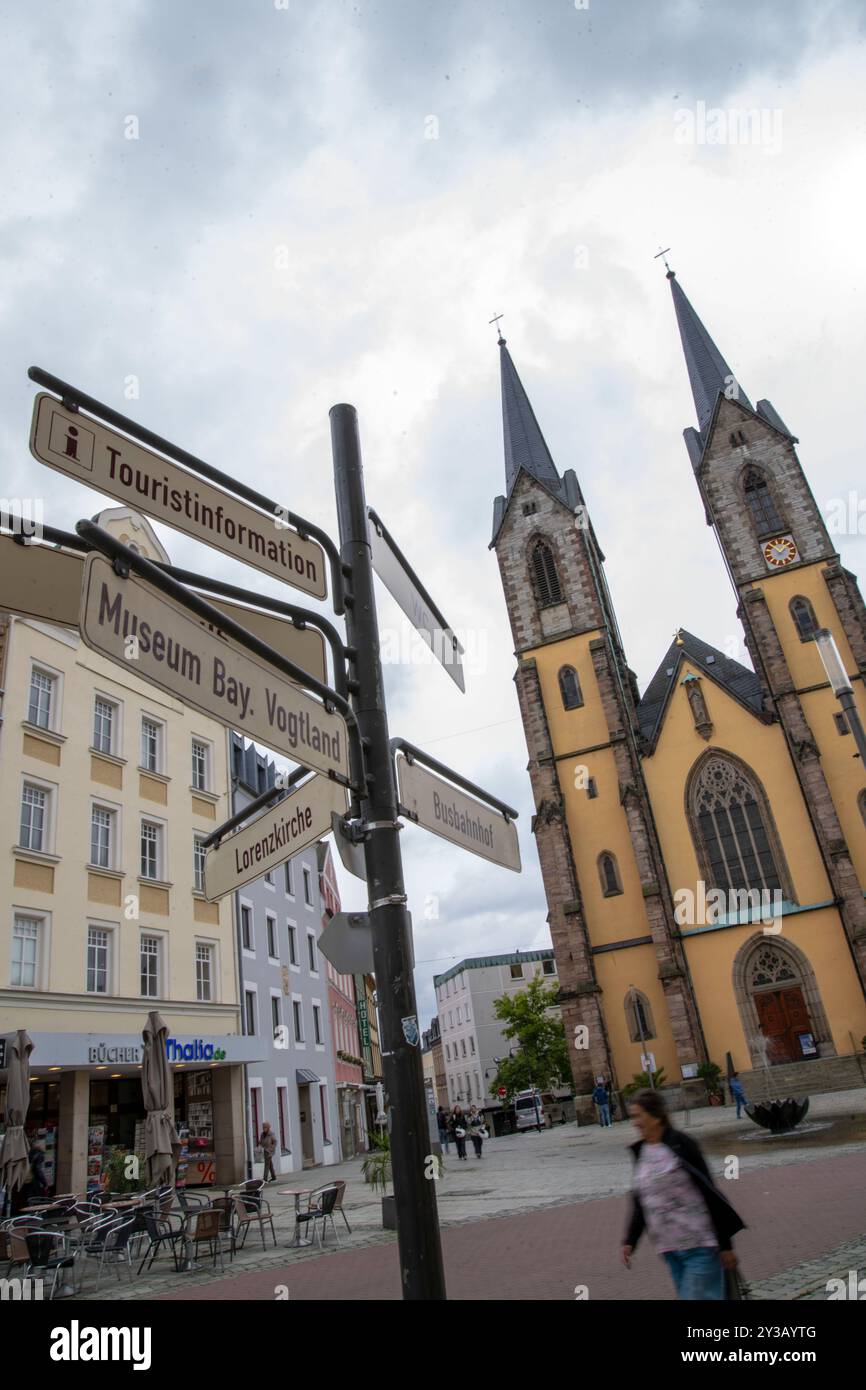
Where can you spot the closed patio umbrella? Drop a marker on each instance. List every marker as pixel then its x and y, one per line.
pixel 13 1159
pixel 161 1144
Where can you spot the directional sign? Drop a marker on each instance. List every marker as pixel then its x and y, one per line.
pixel 402 583
pixel 158 640
pixel 457 817
pixel 110 463
pixel 41 582
pixel 289 825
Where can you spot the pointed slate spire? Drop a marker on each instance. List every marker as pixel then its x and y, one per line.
pixel 524 443
pixel 709 373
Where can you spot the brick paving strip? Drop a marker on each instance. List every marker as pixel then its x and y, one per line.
pixel 802 1231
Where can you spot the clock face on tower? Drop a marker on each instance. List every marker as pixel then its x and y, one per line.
pixel 780 551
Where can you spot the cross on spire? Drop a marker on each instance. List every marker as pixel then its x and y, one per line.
pixel 495 320
pixel 664 255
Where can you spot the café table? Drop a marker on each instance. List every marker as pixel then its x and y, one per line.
pixel 297 1193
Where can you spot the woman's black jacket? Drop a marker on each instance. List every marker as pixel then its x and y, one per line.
pixel 725 1220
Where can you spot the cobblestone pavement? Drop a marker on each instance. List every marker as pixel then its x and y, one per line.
pixel 543 1209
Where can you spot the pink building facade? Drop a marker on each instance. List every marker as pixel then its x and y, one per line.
pixel 342 1007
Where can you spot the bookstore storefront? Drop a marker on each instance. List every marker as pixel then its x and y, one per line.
pixel 87 1108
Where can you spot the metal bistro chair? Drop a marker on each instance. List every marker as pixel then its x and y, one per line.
pixel 162 1231
pixel 205 1228
pixel 248 1210
pixel 321 1209
pixel 116 1247
pixel 340 1185
pixel 48 1251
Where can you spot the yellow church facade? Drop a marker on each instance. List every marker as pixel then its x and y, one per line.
pixel 702 843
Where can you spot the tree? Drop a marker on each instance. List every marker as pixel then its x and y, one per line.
pixel 541 1060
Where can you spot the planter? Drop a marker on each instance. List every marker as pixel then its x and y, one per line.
pixel 389 1213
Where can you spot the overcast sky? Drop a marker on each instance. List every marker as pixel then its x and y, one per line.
pixel 327 201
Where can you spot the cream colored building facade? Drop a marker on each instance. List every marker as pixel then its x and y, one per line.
pixel 107 782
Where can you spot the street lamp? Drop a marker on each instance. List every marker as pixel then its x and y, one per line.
pixel 838 678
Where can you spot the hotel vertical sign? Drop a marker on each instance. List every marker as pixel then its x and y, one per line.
pixel 110 463
pixel 156 639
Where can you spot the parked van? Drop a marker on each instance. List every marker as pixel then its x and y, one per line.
pixel 528 1110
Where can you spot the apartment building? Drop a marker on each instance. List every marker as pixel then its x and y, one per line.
pixel 343 1008
pixel 471 1034
pixel 110 786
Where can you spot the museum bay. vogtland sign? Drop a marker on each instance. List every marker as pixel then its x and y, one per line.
pixel 155 638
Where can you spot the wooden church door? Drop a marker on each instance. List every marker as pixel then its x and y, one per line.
pixel 782 1014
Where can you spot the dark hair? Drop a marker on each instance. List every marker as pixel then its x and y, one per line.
pixel 652 1102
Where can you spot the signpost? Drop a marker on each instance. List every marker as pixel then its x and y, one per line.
pixel 267 842
pixel 110 463
pixel 428 799
pixel 403 584
pixel 38 581
pixel 157 639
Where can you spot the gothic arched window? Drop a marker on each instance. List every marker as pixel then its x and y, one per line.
pixel 639 1016
pixel 804 618
pixel 731 825
pixel 764 512
pixel 770 966
pixel 548 589
pixel 609 874
pixel 569 687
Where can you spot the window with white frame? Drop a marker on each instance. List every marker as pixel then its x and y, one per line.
pixel 246 927
pixel 298 1020
pixel 151 966
pixel 98 947
pixel 204 971
pixel 311 952
pixel 287 870
pixel 43 697
pixel 317 1023
pixel 308 887
pixel 269 878
pixel 200 765
pixel 104 725
pixel 103 836
pixel 151 849
pixel 151 745
pixel 447 1052
pixel 273 949
pixel 472 1046
pixel 198 858
pixel 26 940
pixel 293 944
pixel 250 997
pixel 35 809
pixel 276 1015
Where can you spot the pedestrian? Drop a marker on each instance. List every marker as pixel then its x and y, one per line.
pixel 268 1144
pixel 458 1129
pixel 601 1096
pixel 442 1125
pixel 477 1129
pixel 674 1197
pixel 36 1185
pixel 737 1092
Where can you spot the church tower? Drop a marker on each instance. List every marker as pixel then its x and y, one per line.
pixel 618 951
pixel 789 581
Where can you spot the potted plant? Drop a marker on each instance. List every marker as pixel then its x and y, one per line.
pixel 710 1072
pixel 641 1082
pixel 376 1168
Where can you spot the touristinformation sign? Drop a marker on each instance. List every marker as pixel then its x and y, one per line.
pixel 155 638
pixel 402 583
pixel 39 581
pixel 455 816
pixel 110 463
pixel 292 823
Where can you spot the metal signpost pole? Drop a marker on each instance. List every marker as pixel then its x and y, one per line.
pixel 421 1265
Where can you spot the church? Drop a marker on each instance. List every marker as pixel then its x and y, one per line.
pixel 702 843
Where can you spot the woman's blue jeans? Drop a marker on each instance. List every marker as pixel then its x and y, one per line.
pixel 697 1274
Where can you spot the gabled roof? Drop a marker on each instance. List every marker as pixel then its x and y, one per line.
pixel 737 680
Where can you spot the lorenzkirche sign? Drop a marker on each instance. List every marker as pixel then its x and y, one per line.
pixel 154 638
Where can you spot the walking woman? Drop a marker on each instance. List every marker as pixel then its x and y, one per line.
pixel 458 1129
pixel 477 1129
pixel 675 1199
